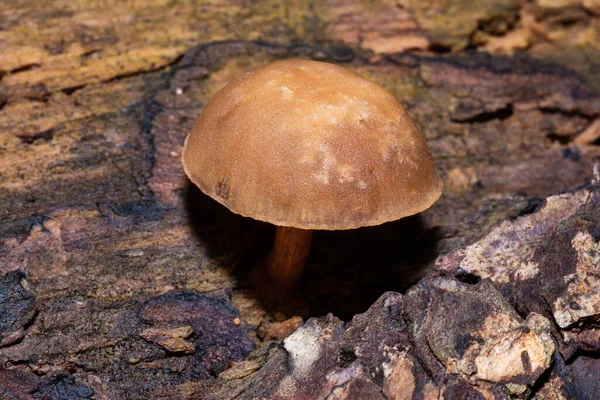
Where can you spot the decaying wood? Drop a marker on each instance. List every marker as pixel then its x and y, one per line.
pixel 120 280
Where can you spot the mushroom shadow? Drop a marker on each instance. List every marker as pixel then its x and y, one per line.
pixel 346 272
pixel 225 236
pixel 349 270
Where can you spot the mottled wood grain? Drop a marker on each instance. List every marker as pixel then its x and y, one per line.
pixel 98 222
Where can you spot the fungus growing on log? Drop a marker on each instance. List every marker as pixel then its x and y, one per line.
pixel 309 145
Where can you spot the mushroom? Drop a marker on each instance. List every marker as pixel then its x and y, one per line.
pixel 309 145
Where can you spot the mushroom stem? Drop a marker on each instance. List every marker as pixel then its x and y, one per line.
pixel 288 257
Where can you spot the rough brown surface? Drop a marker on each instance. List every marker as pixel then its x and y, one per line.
pixel 120 280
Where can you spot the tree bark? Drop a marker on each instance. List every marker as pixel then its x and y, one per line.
pixel 119 279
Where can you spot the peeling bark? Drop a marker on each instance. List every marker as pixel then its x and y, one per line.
pixel 119 279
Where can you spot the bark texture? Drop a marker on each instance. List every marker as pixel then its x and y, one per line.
pixel 120 280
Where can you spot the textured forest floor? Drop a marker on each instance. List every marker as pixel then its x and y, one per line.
pixel 120 280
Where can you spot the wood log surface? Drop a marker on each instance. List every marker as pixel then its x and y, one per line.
pixel 119 279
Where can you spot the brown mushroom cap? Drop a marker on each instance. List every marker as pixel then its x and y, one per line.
pixel 310 145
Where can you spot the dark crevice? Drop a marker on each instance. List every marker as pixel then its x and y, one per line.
pixel 522 312
pixel 565 352
pixel 500 25
pixel 46 135
pixel 583 353
pixel 486 116
pixel 37 220
pixel 73 89
pixel 545 376
pixel 439 48
pixel 561 139
pixel 568 113
pixel 497 26
pixel 419 357
pixel 150 110
pixel 24 68
pixel 88 53
pixel 42 97
pixel 346 357
pixel 533 205
pixel 584 323
pixel 468 278
pixel 116 78
pixel 146 111
pixel 29 323
pixel 25 327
